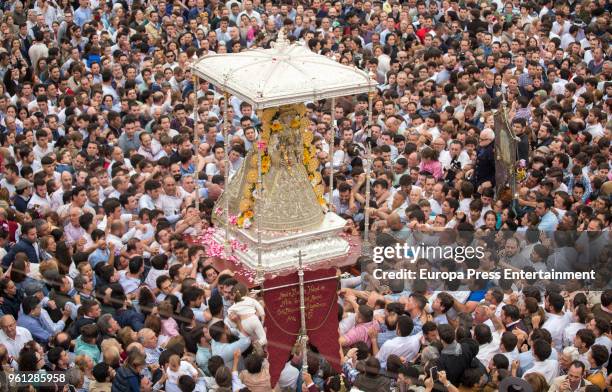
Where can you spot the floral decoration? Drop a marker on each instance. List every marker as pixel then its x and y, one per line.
pixel 271 123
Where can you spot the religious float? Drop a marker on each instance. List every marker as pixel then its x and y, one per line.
pixel 272 222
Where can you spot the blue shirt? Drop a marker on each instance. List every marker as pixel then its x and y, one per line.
pixel 226 350
pixel 548 222
pixel 98 256
pixel 385 334
pixel 526 360
pixel 35 326
pixel 82 16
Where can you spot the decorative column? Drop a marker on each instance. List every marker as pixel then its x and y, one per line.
pixel 303 331
pixel 331 154
pixel 259 277
pixel 226 136
pixel 196 143
pixel 366 248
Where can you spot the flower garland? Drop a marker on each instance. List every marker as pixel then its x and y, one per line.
pixel 215 249
pixel 271 123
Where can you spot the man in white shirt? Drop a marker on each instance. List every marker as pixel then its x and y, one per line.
pixel 12 336
pixel 40 200
pixel 556 319
pixel 130 279
pixel 150 200
pixel 42 147
pixel 216 167
pixel 488 343
pixel 549 368
pixel 404 345
pixel 57 197
pixel 171 199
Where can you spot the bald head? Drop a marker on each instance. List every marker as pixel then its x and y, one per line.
pixel 394 222
pixel 9 326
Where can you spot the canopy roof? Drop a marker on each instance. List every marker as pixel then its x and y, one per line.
pixel 284 74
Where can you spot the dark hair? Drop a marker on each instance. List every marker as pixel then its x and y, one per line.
pixel 482 334
pixel 446 333
pixel 542 349
pixel 586 336
pixel 253 363
pixel 29 303
pixel 101 372
pixel 405 325
pixel 509 341
pixel 501 361
pixel 186 383
pixel 600 354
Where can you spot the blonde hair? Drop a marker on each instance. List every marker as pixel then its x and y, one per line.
pixel 537 381
pixel 48 265
pixel 81 362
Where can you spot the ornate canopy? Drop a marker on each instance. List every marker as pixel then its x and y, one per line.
pixel 281 75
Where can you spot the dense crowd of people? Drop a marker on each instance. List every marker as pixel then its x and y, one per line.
pixel 106 143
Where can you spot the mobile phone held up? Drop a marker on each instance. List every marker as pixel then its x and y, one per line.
pixel 434 373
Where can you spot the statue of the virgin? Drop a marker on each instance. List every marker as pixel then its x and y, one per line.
pixel 288 201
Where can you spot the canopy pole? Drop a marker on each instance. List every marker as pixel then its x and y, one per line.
pixel 226 135
pixel 196 142
pixel 367 247
pixel 303 331
pixel 331 154
pixel 259 277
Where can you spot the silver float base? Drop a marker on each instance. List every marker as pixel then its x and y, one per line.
pixel 279 250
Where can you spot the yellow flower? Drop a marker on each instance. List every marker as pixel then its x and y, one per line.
pixel 322 200
pixel 307 138
pixel 276 126
pixel 265 164
pixel 245 205
pixel 313 164
pixel 252 176
pixel 313 150
pixel 240 220
pixel 296 122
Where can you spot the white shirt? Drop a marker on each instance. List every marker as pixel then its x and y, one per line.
pixel 146 201
pixel 129 284
pixel 445 159
pixel 402 346
pixel 171 205
pixel 488 350
pixel 346 323
pixel 556 324
pixel 14 346
pixel 569 333
pixel 548 368
pixel 185 368
pixel 39 153
pixel 604 341
pixel 596 130
pixel 43 203
pixel 152 276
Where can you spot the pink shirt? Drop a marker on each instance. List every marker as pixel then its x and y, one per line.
pixel 359 333
pixel 169 327
pixel 434 167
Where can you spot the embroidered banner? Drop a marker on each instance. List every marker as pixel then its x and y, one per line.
pixel 282 321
